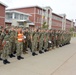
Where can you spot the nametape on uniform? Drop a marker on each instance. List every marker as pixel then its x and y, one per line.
pixel 50 42
pixel 24 37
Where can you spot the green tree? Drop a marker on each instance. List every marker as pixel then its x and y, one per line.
pixel 45 26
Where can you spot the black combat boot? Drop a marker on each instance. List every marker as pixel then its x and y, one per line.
pixel 41 52
pixel 4 62
pixel 11 55
pixel 45 50
pixel 33 54
pixel 7 61
pixel 21 57
pixel 18 57
pixel 60 45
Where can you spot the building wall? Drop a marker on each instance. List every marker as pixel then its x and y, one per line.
pixel 2 15
pixel 56 22
pixel 68 24
pixel 36 14
pixel 26 10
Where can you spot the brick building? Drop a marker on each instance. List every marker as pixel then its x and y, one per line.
pixel 68 24
pixel 39 15
pixel 56 21
pixel 60 22
pixel 2 14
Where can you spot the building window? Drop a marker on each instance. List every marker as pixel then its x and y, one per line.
pixel 9 16
pixel 21 17
pixel 16 16
pixel 25 17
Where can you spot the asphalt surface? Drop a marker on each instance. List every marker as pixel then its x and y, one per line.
pixel 60 61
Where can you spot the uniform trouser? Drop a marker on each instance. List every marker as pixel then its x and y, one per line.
pixel 40 44
pixel 63 41
pixel 25 45
pixel 5 51
pixel 46 45
pixel 34 46
pixel 53 44
pixel 19 48
pixel 0 53
pixel 57 43
pixel 29 44
pixel 1 48
pixel 13 46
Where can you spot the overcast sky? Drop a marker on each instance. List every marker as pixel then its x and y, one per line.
pixel 59 6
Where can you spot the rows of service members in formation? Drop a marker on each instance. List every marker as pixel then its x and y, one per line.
pixel 15 41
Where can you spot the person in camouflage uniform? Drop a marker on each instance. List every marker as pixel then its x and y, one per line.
pixel 20 39
pixel 46 39
pixel 34 40
pixel 60 38
pixel 1 46
pixel 40 40
pixel 16 33
pixel 25 43
pixel 30 40
pixel 50 39
pixel 6 47
pixel 12 42
pixel 53 39
pixel 57 38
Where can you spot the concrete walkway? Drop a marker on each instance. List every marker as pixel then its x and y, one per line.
pixel 61 61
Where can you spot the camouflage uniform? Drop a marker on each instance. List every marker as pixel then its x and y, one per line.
pixel 19 48
pixel 34 42
pixel 1 47
pixel 46 39
pixel 41 40
pixel 12 43
pixel 57 39
pixel 29 41
pixel 53 40
pixel 15 41
pixel 50 39
pixel 6 48
pixel 25 43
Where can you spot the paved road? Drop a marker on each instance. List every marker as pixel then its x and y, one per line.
pixel 61 61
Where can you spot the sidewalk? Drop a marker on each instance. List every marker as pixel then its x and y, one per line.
pixel 61 61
